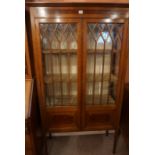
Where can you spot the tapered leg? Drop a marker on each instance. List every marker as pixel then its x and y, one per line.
pixel 107 132
pixel 46 147
pixel 117 131
pixel 50 135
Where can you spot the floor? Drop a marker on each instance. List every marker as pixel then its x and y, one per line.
pixel 98 144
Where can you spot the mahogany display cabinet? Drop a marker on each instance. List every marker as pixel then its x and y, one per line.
pixel 80 56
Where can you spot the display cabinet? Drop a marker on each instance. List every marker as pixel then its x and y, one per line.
pixel 80 60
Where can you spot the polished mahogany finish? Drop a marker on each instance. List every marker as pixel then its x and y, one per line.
pixel 93 59
pixel 79 1
pixel 86 3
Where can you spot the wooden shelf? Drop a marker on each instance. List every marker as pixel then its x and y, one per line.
pixel 101 51
pixel 98 77
pixel 73 78
pixel 56 78
pixel 74 51
pixel 89 99
pixel 60 51
pixel 57 100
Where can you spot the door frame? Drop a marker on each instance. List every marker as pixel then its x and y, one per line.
pixel 113 110
pixel 37 51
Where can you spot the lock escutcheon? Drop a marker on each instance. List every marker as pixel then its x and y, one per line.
pixel 80 12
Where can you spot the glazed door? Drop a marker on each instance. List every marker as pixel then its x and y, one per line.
pixel 102 57
pixel 59 72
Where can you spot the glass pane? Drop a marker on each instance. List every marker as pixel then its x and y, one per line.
pixel 59 48
pixel 74 92
pixel 99 62
pixel 108 44
pixel 103 52
pixel 73 65
pixel 89 96
pixel 47 65
pixel 65 88
pixel 90 64
pixel 107 62
pixel 64 65
pixel 74 89
pixel 97 88
pixel 100 43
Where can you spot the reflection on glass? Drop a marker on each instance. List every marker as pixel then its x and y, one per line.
pixel 108 45
pixel 100 43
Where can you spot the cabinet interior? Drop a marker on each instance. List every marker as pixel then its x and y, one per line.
pixel 60 62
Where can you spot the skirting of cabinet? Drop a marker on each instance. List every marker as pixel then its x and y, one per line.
pixel 70 120
pixel 99 120
pixel 63 121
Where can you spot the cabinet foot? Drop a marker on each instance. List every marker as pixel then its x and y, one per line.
pixel 46 148
pixel 45 145
pixel 107 132
pixel 50 135
pixel 116 135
